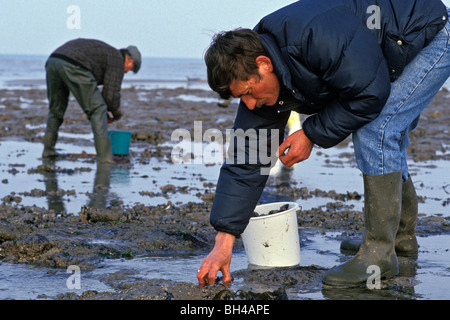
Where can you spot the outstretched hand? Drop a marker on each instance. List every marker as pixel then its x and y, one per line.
pixel 219 259
pixel 298 147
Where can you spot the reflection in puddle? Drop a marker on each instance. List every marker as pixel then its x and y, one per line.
pixel 177 267
pixel 83 180
pixel 98 186
pixel 23 282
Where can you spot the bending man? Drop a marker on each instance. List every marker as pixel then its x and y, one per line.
pixel 355 68
pixel 79 66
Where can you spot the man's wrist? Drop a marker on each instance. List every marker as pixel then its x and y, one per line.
pixel 225 240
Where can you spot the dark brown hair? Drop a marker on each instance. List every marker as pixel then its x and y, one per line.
pixel 232 56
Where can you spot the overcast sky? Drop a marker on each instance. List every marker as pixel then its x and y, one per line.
pixel 160 28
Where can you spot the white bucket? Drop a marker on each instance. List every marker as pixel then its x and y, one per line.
pixel 271 240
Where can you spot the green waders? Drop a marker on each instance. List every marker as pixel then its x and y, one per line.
pixel 62 78
pixel 405 240
pixel 382 202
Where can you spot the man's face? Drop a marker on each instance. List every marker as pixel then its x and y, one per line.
pixel 129 63
pixel 258 91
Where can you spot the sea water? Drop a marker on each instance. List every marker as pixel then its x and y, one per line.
pixel 25 71
pixel 28 71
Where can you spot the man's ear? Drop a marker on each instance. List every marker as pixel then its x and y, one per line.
pixel 264 62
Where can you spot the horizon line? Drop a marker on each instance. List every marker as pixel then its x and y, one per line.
pixel 46 55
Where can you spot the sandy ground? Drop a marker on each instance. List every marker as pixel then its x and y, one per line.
pixel 55 239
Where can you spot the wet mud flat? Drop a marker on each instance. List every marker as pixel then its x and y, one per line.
pixel 97 235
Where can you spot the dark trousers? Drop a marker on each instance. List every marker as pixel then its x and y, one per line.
pixel 63 78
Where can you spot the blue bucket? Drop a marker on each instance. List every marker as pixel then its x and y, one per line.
pixel 120 141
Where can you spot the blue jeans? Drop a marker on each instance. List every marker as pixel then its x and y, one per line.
pixel 380 146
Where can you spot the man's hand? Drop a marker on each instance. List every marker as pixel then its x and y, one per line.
pixel 110 117
pixel 114 115
pixel 219 259
pixel 299 146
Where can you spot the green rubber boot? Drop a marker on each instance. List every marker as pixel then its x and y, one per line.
pixel 405 241
pixel 50 137
pixel 49 142
pixel 104 152
pixel 103 149
pixel 382 205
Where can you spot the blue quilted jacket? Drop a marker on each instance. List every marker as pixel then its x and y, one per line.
pixel 335 60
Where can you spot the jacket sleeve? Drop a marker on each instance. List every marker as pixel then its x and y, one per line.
pixel 350 62
pixel 112 83
pixel 241 183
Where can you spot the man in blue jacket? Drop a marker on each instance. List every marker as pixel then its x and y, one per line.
pixel 366 68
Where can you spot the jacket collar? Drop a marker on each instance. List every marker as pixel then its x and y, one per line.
pixel 280 67
pixel 290 97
